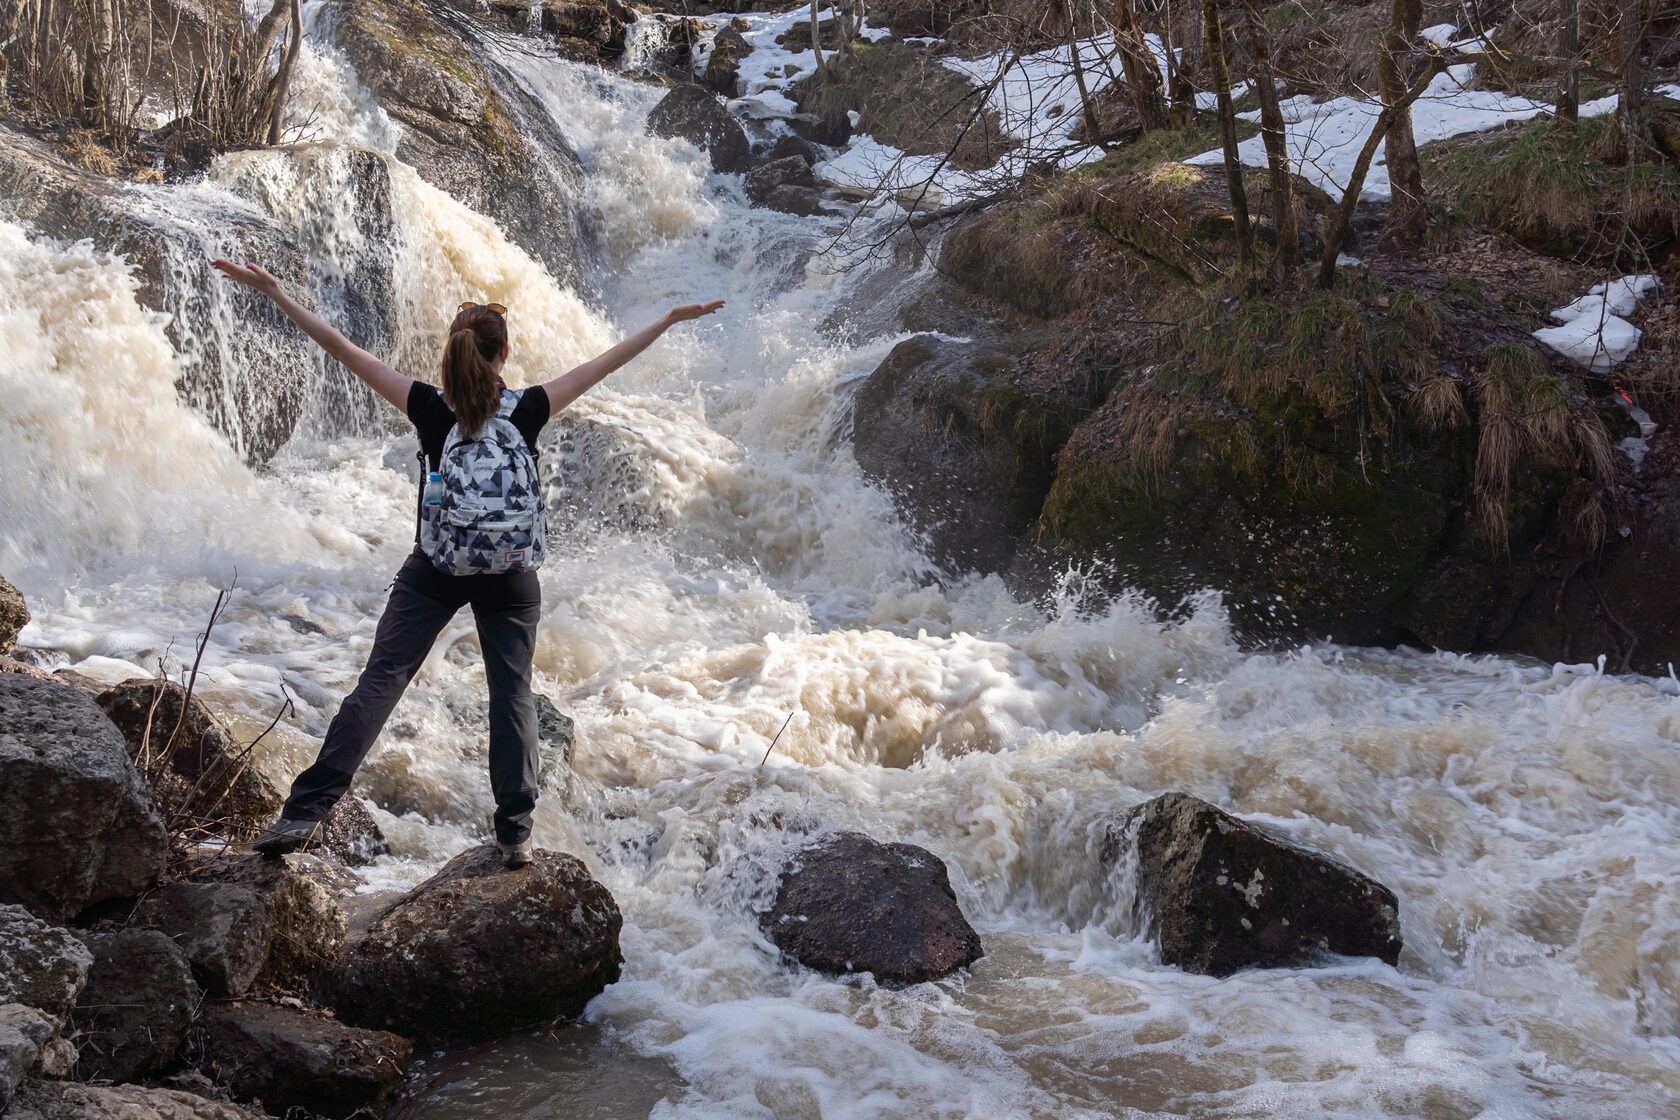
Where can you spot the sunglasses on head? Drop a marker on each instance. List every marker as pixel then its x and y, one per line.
pixel 469 305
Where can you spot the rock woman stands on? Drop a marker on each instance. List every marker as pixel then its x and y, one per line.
pixel 478 543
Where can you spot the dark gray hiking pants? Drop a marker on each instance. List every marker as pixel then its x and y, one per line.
pixel 422 602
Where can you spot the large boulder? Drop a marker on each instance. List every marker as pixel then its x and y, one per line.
pixel 1221 894
pixel 139 1001
pixel 24 1032
pixel 284 1060
pixel 309 926
pixel 968 453
pixel 852 904
pixel 225 930
pixel 478 951
pixel 198 771
pixel 14 615
pixel 696 114
pixel 76 823
pixel 245 921
pixel 41 965
pixel 785 184
pixel 467 128
pixel 55 1100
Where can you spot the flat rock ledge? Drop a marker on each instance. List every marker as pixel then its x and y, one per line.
pixel 848 903
pixel 478 951
pixel 1221 894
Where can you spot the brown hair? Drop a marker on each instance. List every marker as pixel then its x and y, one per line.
pixel 477 338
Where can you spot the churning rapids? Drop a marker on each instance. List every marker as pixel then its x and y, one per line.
pixel 721 563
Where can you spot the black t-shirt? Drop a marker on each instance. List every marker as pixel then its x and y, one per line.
pixel 433 419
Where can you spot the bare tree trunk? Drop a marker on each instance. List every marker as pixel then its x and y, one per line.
pixel 1633 129
pixel 1093 125
pixel 96 65
pixel 1569 45
pixel 1337 236
pixel 283 77
pixel 1408 214
pixel 816 43
pixel 1221 75
pixel 1275 137
pixel 1138 63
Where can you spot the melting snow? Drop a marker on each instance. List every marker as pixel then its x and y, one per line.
pixel 1593 333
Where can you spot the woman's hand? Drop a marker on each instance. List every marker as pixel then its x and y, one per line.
pixel 251 275
pixel 691 311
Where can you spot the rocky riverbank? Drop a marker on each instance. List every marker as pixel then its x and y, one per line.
pixel 151 968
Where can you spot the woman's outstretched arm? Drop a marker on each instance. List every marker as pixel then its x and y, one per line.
pixel 572 384
pixel 380 377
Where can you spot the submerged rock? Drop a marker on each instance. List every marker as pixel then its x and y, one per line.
pixel 478 951
pixel 139 1001
pixel 56 1100
pixel 14 615
pixel 41 965
pixel 852 904
pixel 1221 894
pixel 284 1059
pixel 696 114
pixel 198 770
pixel 76 823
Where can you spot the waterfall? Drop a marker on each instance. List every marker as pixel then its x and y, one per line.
pixel 721 562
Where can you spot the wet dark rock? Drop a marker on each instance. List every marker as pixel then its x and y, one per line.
pixel 832 129
pixel 353 835
pixel 785 184
pixel 41 965
pixel 282 1059
pixel 723 66
pixel 24 1032
pixel 559 736
pixel 199 771
pixel 1222 894
pixel 14 615
pixel 852 904
pixel 139 1001
pixel 56 1100
pixel 967 454
pixel 225 930
pixel 251 383
pixel 467 128
pixel 76 822
pixel 478 951
pixel 696 114
pixel 796 146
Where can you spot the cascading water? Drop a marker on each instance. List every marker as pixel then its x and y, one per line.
pixel 728 564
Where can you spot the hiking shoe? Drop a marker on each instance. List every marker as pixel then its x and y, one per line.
pixel 515 855
pixel 285 836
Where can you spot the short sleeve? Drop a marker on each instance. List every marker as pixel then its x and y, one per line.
pixel 431 417
pixel 531 414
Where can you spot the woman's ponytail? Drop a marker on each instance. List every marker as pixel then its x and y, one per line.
pixel 477 338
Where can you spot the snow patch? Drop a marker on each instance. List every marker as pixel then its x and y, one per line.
pixel 1593 333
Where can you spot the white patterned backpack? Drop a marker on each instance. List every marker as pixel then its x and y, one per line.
pixel 486 517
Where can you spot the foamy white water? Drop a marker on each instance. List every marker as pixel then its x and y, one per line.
pixel 725 563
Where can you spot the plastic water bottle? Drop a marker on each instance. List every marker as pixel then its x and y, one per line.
pixel 434 490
